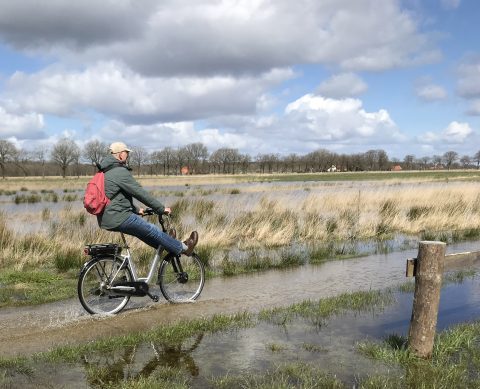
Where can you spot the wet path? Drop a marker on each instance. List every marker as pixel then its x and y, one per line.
pixel 34 329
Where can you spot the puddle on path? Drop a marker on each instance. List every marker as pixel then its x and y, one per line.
pixel 330 347
pixel 28 330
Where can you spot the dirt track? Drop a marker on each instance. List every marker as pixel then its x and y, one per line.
pixel 29 330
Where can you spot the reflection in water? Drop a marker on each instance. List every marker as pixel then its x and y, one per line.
pixel 140 361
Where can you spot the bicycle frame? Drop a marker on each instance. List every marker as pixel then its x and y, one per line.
pixel 129 263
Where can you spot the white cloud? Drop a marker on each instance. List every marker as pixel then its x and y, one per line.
pixel 307 124
pixel 455 133
pixel 178 37
pixel 342 85
pixel 474 108
pixel 115 91
pixel 324 119
pixel 468 84
pixel 450 4
pixel 431 92
pixel 20 126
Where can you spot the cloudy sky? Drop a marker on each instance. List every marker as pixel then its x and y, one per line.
pixel 262 76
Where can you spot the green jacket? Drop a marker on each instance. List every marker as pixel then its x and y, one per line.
pixel 121 188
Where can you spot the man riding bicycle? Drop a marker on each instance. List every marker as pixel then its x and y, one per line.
pixel 122 215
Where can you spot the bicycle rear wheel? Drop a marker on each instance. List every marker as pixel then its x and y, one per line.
pixel 92 286
pixel 181 278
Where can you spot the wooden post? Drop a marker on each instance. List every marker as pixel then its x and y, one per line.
pixel 428 282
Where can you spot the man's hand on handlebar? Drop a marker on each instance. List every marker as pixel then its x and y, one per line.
pixel 150 211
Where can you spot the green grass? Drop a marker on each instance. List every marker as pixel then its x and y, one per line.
pixel 294 375
pixel 167 334
pixel 31 287
pixel 318 311
pixel 165 377
pixel 276 348
pixel 67 259
pixel 456 277
pixel 24 198
pixel 455 362
pixel 17 365
pixel 444 175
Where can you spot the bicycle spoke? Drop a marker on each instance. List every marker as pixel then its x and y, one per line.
pixel 93 284
pixel 181 279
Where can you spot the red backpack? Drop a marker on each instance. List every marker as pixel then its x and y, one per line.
pixel 95 200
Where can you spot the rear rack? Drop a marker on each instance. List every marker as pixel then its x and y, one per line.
pixel 102 249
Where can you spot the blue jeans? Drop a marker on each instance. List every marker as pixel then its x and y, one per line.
pixel 150 234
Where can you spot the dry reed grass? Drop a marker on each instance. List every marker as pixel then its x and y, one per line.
pixel 351 213
pixel 251 219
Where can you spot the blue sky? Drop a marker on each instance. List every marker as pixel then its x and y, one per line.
pixel 262 76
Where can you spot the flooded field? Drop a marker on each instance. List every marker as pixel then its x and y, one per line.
pixel 262 346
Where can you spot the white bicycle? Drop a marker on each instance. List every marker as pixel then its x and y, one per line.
pixel 108 280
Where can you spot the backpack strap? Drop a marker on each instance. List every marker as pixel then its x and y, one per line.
pixel 106 170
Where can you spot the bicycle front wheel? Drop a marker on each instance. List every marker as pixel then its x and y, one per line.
pixel 181 278
pixel 93 286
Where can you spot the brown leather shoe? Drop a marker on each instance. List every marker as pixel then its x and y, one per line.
pixel 191 242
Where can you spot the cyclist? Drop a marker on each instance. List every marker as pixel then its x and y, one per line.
pixel 122 215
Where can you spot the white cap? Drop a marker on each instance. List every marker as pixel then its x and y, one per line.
pixel 118 147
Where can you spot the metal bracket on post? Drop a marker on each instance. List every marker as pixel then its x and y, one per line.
pixel 411 267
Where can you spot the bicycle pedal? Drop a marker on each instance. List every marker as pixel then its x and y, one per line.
pixel 154 297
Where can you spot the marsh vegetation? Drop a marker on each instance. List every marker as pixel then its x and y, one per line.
pixel 300 345
pixel 245 224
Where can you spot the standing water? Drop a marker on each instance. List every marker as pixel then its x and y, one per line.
pixel 332 345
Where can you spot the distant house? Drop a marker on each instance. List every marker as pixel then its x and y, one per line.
pixel 333 168
pixel 396 168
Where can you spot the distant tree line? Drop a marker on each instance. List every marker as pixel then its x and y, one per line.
pixel 66 158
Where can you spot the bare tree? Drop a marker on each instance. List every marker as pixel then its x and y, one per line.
pixel 95 151
pixel 40 155
pixel 465 161
pixel 138 157
pixel 424 161
pixel 21 159
pixel 7 154
pixel 437 161
pixel 476 158
pixel 409 161
pixel 224 157
pixel 234 158
pixel 64 153
pixel 245 160
pixel 450 157
pixel 194 153
pixel 169 157
pixel 291 160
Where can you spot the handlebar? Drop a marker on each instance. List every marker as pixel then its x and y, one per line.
pixel 162 218
pixel 150 211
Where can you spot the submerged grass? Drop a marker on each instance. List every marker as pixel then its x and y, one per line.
pixel 169 334
pixel 260 216
pixel 317 311
pixel 294 375
pixel 455 362
pixel 456 277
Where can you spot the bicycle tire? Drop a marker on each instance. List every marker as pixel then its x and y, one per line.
pixel 93 277
pixel 184 287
